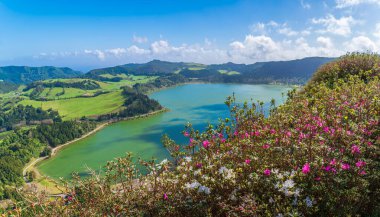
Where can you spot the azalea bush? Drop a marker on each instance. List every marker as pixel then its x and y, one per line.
pixel 315 155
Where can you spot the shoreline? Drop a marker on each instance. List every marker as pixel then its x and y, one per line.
pixel 55 150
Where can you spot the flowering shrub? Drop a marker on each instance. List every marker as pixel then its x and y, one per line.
pixel 316 155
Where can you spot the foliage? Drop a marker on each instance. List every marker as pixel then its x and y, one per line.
pixel 25 115
pixel 6 87
pixel 316 155
pixel 62 132
pixel 294 71
pixel 83 84
pixel 161 82
pixel 25 74
pixel 19 147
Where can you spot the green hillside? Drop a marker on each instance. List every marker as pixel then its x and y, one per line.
pixel 294 71
pixel 25 74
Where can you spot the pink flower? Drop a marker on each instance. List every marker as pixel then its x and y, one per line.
pixel 302 136
pixel 246 135
pixel 327 168
pixel 191 140
pixel 333 162
pixel 186 134
pixel 360 164
pixel 272 131
pixel 247 161
pixel 166 196
pixel 267 172
pixel 236 133
pixel 317 178
pixel 306 168
pixel 355 149
pixel 362 172
pixel 206 144
pixel 223 140
pixel 266 146
pixel 332 130
pixel 326 129
pixel 288 133
pixel 345 166
pixel 198 165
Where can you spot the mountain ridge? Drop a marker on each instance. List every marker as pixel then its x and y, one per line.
pixel 294 71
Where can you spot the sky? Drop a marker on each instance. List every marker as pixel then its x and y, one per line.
pixel 87 34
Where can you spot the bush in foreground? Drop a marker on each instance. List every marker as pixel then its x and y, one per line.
pixel 316 155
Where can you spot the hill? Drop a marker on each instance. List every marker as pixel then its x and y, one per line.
pixel 25 74
pixel 294 71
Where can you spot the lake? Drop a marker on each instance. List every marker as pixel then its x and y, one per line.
pixel 199 104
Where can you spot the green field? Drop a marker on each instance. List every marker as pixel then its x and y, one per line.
pixel 79 107
pixel 228 72
pixel 74 103
pixel 196 68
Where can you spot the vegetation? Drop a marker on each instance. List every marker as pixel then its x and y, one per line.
pixel 25 75
pixel 294 71
pixel 20 146
pixel 83 84
pixel 135 104
pixel 25 115
pixel 316 155
pixel 160 82
pixel 6 87
pixel 78 107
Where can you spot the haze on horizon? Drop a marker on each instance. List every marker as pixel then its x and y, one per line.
pixel 89 34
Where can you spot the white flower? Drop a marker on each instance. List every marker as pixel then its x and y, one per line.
pixel 163 162
pixel 271 200
pixel 193 185
pixel 204 189
pixel 228 173
pixel 309 202
pixel 288 184
pixel 187 159
pixel 297 192
pixel 197 172
pixel 222 170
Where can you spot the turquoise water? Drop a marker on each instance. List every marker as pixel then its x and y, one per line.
pixel 199 104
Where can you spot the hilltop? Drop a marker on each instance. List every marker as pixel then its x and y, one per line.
pixel 293 71
pixel 26 74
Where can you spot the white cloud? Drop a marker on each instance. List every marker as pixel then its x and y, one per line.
pixel 332 25
pixel 287 31
pixel 160 47
pixel 325 42
pixel 117 52
pixel 136 50
pixel 139 39
pixel 351 3
pixel 98 53
pixel 253 48
pixel 361 43
pixel 263 28
pixel 305 4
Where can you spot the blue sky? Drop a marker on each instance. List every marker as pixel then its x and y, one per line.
pixel 88 34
